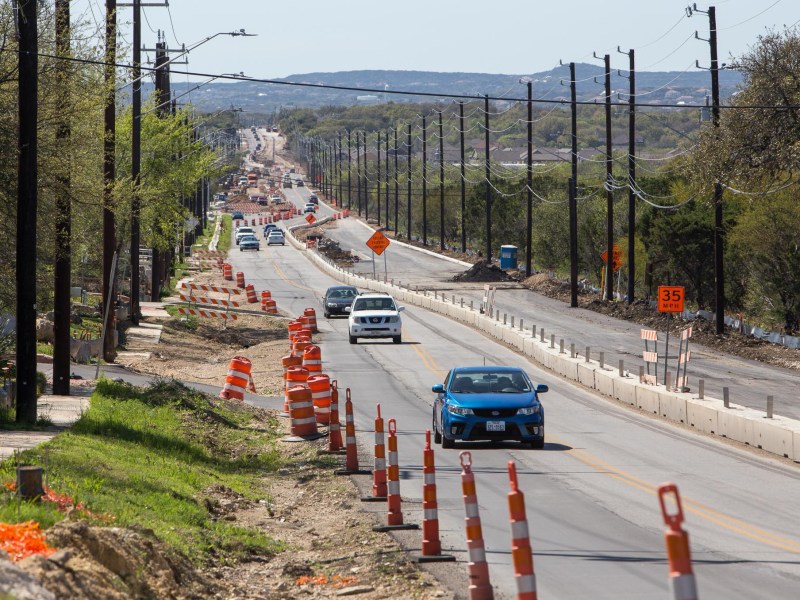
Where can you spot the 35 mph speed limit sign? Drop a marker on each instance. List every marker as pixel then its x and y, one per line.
pixel 670 298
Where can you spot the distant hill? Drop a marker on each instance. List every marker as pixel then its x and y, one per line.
pixel 690 88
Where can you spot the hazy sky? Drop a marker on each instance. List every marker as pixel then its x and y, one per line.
pixel 500 36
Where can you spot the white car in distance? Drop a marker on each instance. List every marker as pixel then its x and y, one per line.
pixel 276 237
pixel 375 315
pixel 243 231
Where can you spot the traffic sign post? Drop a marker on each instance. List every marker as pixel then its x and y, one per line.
pixel 670 300
pixel 378 243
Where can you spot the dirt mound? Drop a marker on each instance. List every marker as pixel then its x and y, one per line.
pixel 483 271
pixel 111 562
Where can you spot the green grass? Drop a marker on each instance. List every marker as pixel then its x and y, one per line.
pixel 190 322
pixel 224 243
pixel 150 457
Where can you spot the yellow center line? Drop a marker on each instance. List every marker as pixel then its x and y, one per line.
pixel 692 506
pixel 427 359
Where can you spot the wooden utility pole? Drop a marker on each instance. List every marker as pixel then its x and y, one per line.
pixel 27 199
pixel 424 182
pixel 136 153
pixel 63 259
pixel 441 183
pixel 463 179
pixel 488 180
pixel 408 197
pixel 396 185
pixel 386 179
pixel 631 180
pixel 609 292
pixel 529 183
pixel 573 191
pixel 162 94
pixel 109 176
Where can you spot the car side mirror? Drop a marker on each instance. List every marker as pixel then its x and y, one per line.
pixel 348 309
pixel 438 388
pixel 541 388
pixel 401 308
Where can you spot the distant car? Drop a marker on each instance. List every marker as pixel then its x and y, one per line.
pixel 269 227
pixel 243 231
pixel 299 182
pixel 276 237
pixel 488 403
pixel 287 183
pixel 310 208
pixel 276 199
pixel 237 216
pixel 374 315
pixel 337 299
pixel 249 242
pixel 313 199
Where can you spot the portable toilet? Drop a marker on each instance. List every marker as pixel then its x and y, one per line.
pixel 508 257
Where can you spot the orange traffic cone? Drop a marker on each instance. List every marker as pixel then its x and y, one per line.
pixel 334 428
pixel 681 577
pixel 521 553
pixel 477 569
pixel 431 546
pixel 379 470
pixel 351 461
pixel 394 516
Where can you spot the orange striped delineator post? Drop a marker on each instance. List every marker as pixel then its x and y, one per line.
pixel 394 515
pixel 681 576
pixel 301 412
pixel 477 568
pixel 521 553
pixel 351 466
pixel 334 431
pixel 379 471
pixel 238 379
pixel 431 545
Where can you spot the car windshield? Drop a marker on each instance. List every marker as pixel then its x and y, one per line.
pixel 486 381
pixel 374 304
pixel 248 238
pixel 275 234
pixel 342 293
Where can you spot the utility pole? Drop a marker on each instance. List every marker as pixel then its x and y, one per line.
pixel 529 183
pixel 631 177
pixel 488 180
pixel 27 200
pixel 109 175
pixel 386 179
pixel 463 178
pixel 349 172
pixel 366 180
pixel 162 94
pixel 408 197
pixel 441 184
pixel 136 153
pixel 609 187
pixel 396 185
pixel 358 171
pixel 378 177
pixel 424 182
pixel 63 258
pixel 339 171
pixel 573 191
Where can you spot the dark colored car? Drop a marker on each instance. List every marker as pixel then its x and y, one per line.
pixel 488 403
pixel 299 182
pixel 269 227
pixel 237 216
pixel 337 299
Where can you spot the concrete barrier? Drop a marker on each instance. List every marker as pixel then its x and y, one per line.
pixel 604 382
pixel 672 406
pixel 703 414
pixel 586 374
pixel 647 399
pixel 625 391
pixel 774 435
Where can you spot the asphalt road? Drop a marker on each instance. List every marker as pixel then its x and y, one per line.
pixel 595 523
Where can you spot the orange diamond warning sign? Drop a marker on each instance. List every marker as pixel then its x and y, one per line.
pixel 310 218
pixel 378 243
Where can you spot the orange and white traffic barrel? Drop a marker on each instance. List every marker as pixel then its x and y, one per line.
pixel 295 375
pixel 238 379
pixel 269 306
pixel 252 297
pixel 394 514
pixel 681 576
pixel 521 553
pixel 351 466
pixel 312 358
pixel 311 314
pixel 320 386
pixel 379 490
pixel 303 423
pixel 293 327
pixel 300 344
pixel 288 361
pixel 477 568
pixel 240 279
pixel 227 272
pixel 431 545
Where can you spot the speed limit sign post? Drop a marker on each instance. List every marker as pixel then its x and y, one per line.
pixel 670 300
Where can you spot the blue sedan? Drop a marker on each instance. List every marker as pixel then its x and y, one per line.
pixel 488 403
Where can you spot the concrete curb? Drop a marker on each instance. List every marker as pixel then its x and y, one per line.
pixel 779 435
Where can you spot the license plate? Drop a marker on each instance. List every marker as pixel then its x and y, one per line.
pixel 495 425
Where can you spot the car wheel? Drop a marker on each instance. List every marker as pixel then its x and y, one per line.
pixel 327 315
pixel 397 339
pixel 447 442
pixel 353 339
pixel 437 437
pixel 240 250
pixel 537 444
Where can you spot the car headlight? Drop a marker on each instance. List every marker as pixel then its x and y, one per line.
pixel 459 410
pixel 529 410
pixel 331 304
